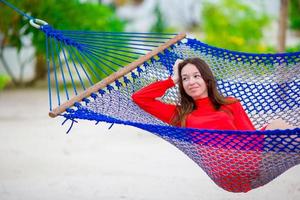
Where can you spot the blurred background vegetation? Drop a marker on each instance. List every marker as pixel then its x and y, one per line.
pixel 240 27
pixel 63 15
pixel 230 24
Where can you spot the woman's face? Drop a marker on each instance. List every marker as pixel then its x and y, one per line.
pixel 193 83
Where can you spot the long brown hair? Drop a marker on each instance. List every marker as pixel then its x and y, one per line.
pixel 187 103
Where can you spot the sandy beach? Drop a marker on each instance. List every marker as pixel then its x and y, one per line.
pixel 39 161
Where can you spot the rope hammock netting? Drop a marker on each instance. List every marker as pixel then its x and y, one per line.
pixel 268 86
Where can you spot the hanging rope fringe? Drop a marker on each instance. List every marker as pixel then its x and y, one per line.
pixel 72 123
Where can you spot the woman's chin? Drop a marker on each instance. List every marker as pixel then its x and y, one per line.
pixel 198 96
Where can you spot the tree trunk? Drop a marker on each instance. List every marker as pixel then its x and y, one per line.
pixel 283 18
pixel 40 70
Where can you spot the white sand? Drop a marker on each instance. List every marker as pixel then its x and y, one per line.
pixel 38 161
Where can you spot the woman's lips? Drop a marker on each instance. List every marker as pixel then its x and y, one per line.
pixel 194 88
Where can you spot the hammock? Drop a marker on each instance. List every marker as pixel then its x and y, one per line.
pixel 268 86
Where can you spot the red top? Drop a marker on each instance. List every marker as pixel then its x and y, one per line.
pixel 205 116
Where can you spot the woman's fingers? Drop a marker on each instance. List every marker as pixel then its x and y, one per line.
pixel 175 76
pixel 177 62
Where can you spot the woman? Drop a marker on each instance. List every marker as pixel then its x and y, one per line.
pixel 203 107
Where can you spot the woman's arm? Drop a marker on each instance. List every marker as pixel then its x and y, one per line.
pixel 145 98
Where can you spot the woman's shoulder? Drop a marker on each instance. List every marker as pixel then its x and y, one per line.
pixel 233 104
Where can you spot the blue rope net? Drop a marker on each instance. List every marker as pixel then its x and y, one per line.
pixel 268 86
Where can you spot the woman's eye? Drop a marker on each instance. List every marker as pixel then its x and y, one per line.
pixel 197 76
pixel 184 78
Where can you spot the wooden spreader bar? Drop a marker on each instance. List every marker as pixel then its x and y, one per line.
pixel 111 78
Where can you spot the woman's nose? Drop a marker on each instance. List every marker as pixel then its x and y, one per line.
pixel 191 81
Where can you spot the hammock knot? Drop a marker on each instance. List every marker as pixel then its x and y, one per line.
pixel 118 84
pixel 126 80
pixel 86 100
pixel 46 28
pixel 102 92
pixel 160 55
pixel 133 75
pixel 70 110
pixel 77 104
pixel 139 70
pixel 110 88
pixel 59 36
pixel 146 64
pixel 94 96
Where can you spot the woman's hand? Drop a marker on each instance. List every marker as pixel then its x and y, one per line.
pixel 175 76
pixel 279 124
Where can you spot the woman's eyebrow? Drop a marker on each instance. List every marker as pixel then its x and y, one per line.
pixel 190 74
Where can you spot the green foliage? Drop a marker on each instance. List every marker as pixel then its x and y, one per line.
pixel 4 80
pixel 295 48
pixel 62 15
pixel 294 14
pixel 234 25
pixel 160 24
